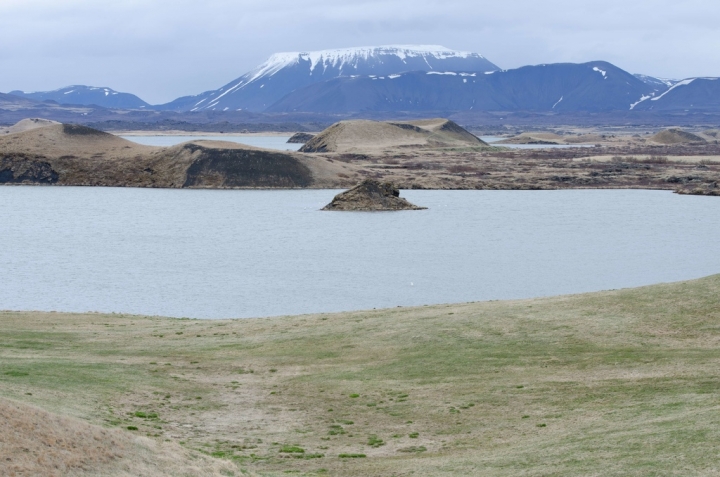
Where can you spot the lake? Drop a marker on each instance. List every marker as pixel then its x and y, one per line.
pixel 215 253
pixel 267 142
pixel 493 141
pixel 280 142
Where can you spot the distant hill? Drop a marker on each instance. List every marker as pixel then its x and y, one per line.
pixel 27 125
pixel 698 94
pixel 10 100
pixel 365 135
pixel 286 72
pixel 87 95
pixel 676 136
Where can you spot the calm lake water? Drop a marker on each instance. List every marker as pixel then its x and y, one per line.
pixel 492 140
pixel 267 142
pixel 280 142
pixel 212 254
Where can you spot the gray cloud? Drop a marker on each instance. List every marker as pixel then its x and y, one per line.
pixel 164 49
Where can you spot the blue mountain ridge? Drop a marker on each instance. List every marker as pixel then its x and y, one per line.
pixel 594 86
pixel 414 79
pixel 87 95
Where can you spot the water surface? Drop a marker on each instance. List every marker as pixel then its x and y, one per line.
pixel 492 140
pixel 267 142
pixel 213 253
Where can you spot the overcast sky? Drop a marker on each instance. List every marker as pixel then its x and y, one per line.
pixel 161 49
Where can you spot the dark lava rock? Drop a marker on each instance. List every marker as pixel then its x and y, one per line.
pixel 300 138
pixel 216 167
pixel 23 169
pixel 371 195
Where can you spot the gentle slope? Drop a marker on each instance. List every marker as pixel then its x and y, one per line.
pixel 614 383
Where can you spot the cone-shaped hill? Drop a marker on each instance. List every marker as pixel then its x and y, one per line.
pixel 66 154
pixel 676 136
pixel 57 140
pixel 368 136
pixel 27 124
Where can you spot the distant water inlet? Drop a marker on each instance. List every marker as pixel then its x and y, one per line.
pixel 240 253
pixel 268 142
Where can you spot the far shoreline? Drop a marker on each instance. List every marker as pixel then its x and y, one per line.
pixel 200 133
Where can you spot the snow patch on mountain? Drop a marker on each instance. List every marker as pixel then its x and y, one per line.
pixel 602 72
pixel 684 82
pixel 642 98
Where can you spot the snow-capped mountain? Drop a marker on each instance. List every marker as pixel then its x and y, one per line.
pixel 87 95
pixel 283 73
pixel 594 86
pixel 662 83
pixel 697 94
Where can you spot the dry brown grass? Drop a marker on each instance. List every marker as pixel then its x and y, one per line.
pixel 373 136
pixel 34 442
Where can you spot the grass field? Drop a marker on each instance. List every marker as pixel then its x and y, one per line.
pixel 615 383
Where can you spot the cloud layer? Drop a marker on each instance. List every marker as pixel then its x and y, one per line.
pixel 161 49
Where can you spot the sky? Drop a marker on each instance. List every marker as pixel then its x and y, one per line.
pixel 163 49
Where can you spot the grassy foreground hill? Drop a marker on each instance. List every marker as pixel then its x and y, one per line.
pixel 613 383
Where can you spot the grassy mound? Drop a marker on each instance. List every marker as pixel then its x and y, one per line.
pixel 365 135
pixel 36 442
pixel 614 383
pixel 676 136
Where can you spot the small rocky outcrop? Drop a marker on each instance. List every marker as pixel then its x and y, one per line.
pixel 300 138
pixel 708 188
pixel 371 195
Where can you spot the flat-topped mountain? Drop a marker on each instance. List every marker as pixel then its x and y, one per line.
pixel 283 73
pixel 594 86
pixel 365 135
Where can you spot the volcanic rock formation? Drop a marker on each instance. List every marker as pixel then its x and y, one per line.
pixel 67 154
pixel 365 135
pixel 371 195
pixel 300 138
pixel 676 136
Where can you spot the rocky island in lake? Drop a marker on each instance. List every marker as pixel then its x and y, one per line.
pixel 371 195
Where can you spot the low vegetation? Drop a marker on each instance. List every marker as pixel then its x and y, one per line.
pixel 614 383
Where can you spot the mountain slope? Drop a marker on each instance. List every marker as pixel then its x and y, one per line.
pixel 594 86
pixel 12 101
pixel 285 72
pixel 87 95
pixel 699 94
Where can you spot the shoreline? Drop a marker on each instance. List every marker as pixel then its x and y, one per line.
pixel 405 308
pixel 199 133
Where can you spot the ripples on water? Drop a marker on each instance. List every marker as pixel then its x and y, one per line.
pixel 212 253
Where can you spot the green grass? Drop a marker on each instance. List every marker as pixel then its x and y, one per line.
pixel 613 383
